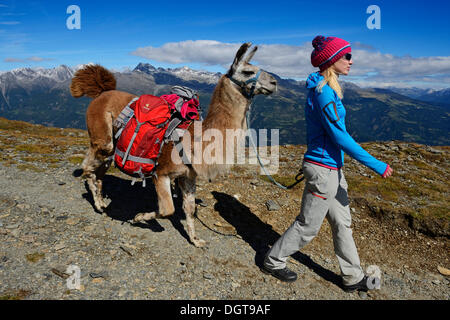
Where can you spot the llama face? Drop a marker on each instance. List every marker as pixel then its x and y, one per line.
pixel 242 72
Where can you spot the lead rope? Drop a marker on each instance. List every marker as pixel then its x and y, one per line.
pixel 298 177
pixel 256 150
pixel 215 231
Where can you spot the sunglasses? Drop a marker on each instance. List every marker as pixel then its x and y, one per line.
pixel 348 56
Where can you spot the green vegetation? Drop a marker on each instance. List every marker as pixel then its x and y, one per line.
pixel 419 187
pixel 34 148
pixel 76 159
pixel 34 257
pixel 30 167
pixel 283 180
pixel 19 294
pixel 26 145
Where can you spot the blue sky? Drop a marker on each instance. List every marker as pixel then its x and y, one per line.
pixel 410 49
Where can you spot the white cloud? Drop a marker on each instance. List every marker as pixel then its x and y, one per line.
pixel 292 61
pixel 13 60
pixel 207 52
pixel 9 23
pixel 359 45
pixel 38 59
pixel 284 60
pixel 30 59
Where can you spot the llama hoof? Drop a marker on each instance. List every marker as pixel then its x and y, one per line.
pixel 144 217
pixel 138 218
pixel 100 204
pixel 100 208
pixel 199 243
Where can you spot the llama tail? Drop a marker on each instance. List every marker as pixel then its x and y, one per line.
pixel 91 81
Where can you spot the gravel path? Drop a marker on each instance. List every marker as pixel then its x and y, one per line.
pixel 47 223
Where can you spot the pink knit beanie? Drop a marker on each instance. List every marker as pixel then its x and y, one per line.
pixel 328 50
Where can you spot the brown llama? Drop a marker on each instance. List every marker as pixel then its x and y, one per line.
pixel 229 104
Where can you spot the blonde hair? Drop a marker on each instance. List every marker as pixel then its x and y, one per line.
pixel 331 78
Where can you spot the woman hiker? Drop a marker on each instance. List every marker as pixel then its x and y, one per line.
pixel 325 193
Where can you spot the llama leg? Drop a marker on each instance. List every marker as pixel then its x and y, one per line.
pixel 93 165
pixel 187 186
pixel 99 175
pixel 96 163
pixel 89 166
pixel 165 202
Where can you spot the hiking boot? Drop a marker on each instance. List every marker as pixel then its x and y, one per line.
pixel 284 274
pixel 360 286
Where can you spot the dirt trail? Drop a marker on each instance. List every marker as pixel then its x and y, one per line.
pixel 47 223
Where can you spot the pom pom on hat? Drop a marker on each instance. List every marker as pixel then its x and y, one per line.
pixel 318 41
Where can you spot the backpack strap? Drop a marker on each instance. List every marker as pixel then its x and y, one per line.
pixel 135 159
pixel 127 153
pixel 174 123
pixel 123 118
pixel 141 175
pixel 184 92
pixel 179 104
pixel 172 135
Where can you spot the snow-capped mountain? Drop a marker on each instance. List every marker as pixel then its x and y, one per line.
pixel 59 74
pixel 24 76
pixel 419 93
pixel 29 79
pixel 412 92
pixel 184 73
pixel 437 96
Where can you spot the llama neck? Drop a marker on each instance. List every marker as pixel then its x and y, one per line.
pixel 226 111
pixel 227 108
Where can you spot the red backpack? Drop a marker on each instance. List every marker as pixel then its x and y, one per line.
pixel 140 140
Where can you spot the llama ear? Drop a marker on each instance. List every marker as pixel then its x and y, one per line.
pixel 239 55
pixel 251 54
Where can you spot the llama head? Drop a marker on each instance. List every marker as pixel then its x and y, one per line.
pixel 251 79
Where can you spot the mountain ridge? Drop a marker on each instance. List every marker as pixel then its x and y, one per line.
pixel 42 96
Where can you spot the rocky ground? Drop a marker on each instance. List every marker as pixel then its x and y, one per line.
pixel 47 223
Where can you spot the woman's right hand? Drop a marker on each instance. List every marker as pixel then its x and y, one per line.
pixel 388 172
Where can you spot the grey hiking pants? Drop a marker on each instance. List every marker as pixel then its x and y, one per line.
pixel 325 195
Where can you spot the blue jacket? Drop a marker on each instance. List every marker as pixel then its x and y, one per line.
pixel 326 134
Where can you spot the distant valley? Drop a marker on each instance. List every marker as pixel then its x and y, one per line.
pixel 42 96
